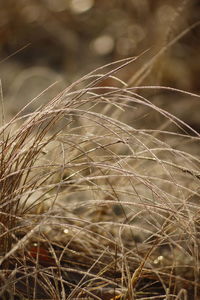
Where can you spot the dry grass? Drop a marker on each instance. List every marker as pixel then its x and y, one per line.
pixel 94 205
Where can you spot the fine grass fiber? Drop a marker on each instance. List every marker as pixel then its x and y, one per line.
pixel 100 196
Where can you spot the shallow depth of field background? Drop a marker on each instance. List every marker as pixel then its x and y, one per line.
pixel 57 41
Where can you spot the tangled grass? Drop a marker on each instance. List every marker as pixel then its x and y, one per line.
pixel 95 202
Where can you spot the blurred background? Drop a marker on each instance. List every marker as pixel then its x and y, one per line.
pixel 57 41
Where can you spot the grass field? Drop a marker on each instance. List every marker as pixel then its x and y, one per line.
pixel 100 180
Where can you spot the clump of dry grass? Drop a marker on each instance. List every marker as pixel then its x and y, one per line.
pixel 94 203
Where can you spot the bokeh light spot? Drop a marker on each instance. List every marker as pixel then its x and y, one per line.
pixel 103 45
pixel 81 6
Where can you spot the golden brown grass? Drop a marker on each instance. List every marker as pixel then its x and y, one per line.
pixel 96 203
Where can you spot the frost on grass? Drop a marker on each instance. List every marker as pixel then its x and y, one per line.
pixel 97 202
